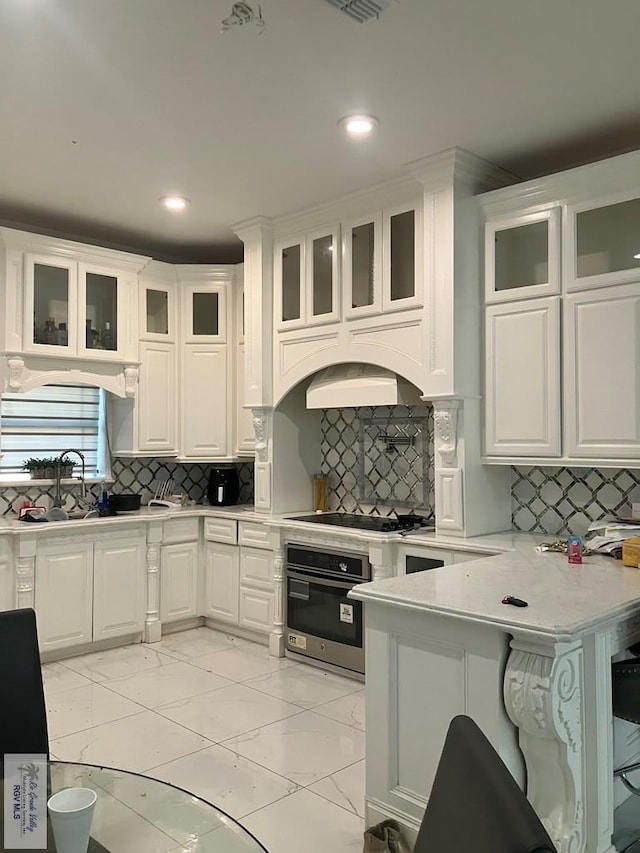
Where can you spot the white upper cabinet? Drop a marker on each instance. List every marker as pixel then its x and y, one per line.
pixel 401 258
pixel 157 309
pixel 522 388
pixel 204 315
pixel 51 305
pixel 307 275
pixel 522 256
pixel 602 404
pixel 602 242
pixel 362 266
pixel 102 312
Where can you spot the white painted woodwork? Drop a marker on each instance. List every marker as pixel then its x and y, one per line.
pixel 550 282
pixel 522 385
pixel 320 316
pixel 449 499
pixel 289 313
pixel 253 534
pixel 615 243
pixel 181 530
pixel 602 372
pixel 188 291
pixel 64 594
pixel 119 571
pixel 244 436
pixel 71 268
pixel 157 399
pixel 404 551
pixel 349 286
pixel 256 568
pixel 256 609
pixel 221 530
pixel 388 256
pixel 262 485
pixel 161 278
pixel 205 408
pixel 222 582
pixel 179 581
pixel 126 315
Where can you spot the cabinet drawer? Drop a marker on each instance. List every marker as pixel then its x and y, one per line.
pixel 221 530
pixel 254 534
pixel 256 568
pixel 181 530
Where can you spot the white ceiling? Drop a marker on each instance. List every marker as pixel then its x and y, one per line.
pixel 107 105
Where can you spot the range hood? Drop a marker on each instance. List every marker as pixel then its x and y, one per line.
pixel 355 385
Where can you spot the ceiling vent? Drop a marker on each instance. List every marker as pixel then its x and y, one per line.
pixel 361 10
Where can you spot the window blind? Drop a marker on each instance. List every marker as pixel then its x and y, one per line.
pixel 48 420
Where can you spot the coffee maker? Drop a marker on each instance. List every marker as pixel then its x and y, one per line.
pixel 224 486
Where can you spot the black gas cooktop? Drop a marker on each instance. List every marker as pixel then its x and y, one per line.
pixel 367 522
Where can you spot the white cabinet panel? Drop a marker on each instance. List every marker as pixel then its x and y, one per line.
pixel 256 609
pixel 205 408
pixel 157 389
pixel 119 576
pixel 178 581
pixel 602 399
pixel 221 530
pixel 522 388
pixel 245 439
pixel 254 534
pixel 256 568
pixel 64 595
pixel 222 582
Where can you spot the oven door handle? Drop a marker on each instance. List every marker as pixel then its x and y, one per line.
pixel 312 579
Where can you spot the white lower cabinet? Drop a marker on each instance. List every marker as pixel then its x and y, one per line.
pixel 119 573
pixel 256 589
pixel 86 591
pixel 64 595
pixel 222 582
pixel 178 581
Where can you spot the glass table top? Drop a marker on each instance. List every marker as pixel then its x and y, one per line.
pixel 136 813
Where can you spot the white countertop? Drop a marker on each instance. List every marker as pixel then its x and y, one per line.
pixel 564 600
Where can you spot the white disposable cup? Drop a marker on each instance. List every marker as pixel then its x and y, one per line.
pixel 70 812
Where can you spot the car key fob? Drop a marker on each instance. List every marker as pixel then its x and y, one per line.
pixel 517 602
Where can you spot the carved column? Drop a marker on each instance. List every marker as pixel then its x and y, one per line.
pixel 25 568
pixel 545 698
pixel 153 626
pixel 262 425
pixel 447 469
pixel 276 637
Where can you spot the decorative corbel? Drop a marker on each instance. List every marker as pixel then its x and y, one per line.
pixel 261 427
pixel 17 373
pixel 445 421
pixel 130 381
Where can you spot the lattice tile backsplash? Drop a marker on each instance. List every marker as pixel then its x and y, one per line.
pixel 135 475
pixel 367 472
pixel 566 500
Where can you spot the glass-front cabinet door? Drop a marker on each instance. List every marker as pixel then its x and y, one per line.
pixel 289 265
pixel 522 256
pixel 50 305
pixel 362 266
pixel 100 312
pixel 156 311
pixel 401 248
pixel 602 243
pixel 205 313
pixel 323 273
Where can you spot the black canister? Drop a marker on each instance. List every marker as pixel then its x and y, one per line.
pixel 224 486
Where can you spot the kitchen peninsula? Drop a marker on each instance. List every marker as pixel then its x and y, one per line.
pixel 440 643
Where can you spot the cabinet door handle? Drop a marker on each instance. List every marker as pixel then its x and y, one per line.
pixel 299 589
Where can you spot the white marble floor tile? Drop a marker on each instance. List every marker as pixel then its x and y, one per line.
pixel 114 826
pixel 133 743
pixel 224 840
pixel 243 663
pixel 56 676
pixel 184 645
pixel 303 748
pixel 164 684
pixel 82 708
pixel 230 782
pixel 304 686
pixel 118 663
pixel 230 711
pixel 344 788
pixel 348 710
pixel 306 822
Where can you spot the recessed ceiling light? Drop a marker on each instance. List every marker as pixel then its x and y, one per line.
pixel 637 257
pixel 175 203
pixel 358 126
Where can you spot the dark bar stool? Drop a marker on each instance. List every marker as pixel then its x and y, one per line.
pixel 625 698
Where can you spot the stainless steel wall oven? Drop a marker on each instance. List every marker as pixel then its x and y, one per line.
pixel 322 623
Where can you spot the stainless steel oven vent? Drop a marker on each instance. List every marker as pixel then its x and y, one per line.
pixel 360 10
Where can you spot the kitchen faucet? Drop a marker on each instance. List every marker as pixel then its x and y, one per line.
pixel 57 500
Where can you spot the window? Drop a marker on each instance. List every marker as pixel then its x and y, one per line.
pixel 48 420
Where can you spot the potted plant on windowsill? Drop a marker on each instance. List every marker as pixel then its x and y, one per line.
pixel 46 467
